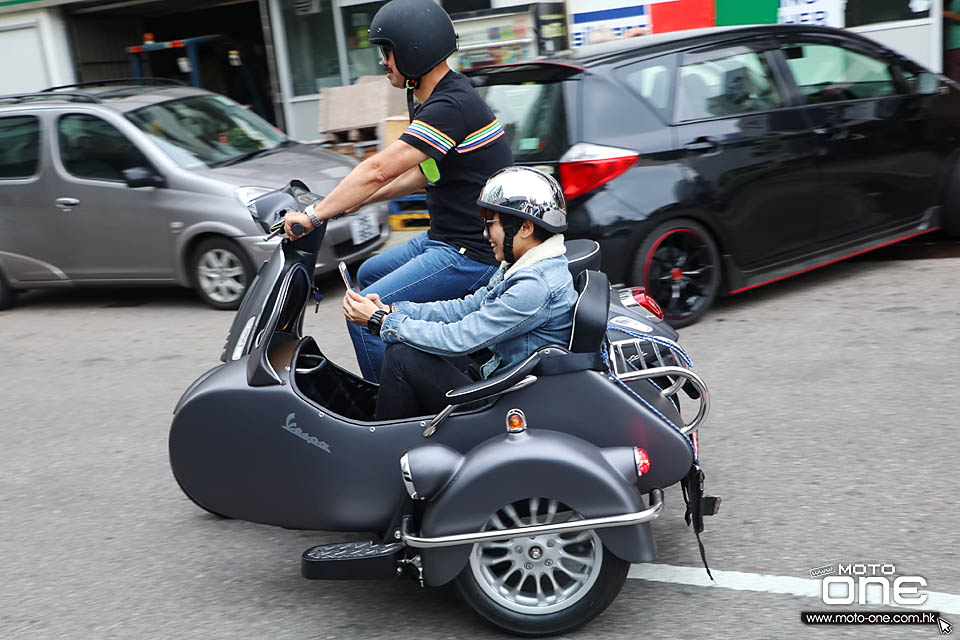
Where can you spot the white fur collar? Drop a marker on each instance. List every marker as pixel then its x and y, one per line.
pixel 549 248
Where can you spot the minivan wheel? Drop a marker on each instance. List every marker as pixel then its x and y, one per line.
pixel 7 294
pixel 542 585
pixel 220 272
pixel 679 265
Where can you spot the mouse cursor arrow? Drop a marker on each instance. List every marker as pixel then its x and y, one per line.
pixel 945 627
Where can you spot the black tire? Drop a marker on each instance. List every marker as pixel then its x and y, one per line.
pixel 662 266
pixel 8 296
pixel 950 214
pixel 220 272
pixel 585 605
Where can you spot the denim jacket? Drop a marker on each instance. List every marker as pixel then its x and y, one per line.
pixel 522 308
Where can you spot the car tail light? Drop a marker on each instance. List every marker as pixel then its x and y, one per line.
pixel 584 167
pixel 643 461
pixel 645 301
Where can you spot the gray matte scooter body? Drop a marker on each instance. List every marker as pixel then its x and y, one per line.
pixel 268 454
pixel 511 467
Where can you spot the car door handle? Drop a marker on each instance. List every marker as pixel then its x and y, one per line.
pixel 832 133
pixel 67 203
pixel 702 145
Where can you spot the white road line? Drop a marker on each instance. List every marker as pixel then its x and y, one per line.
pixel 945 603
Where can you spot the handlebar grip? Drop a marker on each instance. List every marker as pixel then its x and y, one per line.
pixel 297 229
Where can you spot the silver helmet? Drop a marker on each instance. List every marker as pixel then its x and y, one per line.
pixel 528 194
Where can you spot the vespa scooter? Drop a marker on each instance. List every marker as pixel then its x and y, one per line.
pixel 527 492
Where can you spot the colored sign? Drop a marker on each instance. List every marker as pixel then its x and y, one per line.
pixel 828 13
pixel 598 20
pixel 683 14
pixel 732 12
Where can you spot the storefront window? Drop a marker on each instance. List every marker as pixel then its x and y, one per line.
pixel 312 44
pixel 362 58
pixel 864 12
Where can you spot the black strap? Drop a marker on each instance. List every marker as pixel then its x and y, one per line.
pixel 568 363
pixel 692 486
pixel 410 103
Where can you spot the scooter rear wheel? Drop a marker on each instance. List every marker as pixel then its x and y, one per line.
pixel 543 585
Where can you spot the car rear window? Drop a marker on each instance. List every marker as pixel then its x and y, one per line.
pixel 533 117
pixel 19 147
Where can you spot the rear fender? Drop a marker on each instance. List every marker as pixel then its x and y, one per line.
pixel 592 481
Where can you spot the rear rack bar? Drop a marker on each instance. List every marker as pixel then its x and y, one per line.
pixel 71 96
pixel 679 372
pixel 101 83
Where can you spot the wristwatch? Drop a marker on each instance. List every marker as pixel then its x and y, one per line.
pixel 376 321
pixel 312 215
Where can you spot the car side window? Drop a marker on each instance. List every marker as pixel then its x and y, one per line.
pixel 828 73
pixel 92 148
pixel 19 147
pixel 653 80
pixel 726 86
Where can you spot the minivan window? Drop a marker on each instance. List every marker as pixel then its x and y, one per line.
pixel 826 73
pixel 727 86
pixel 533 117
pixel 19 147
pixel 653 80
pixel 206 131
pixel 92 148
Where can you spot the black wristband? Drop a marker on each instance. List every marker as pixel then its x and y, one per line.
pixel 376 321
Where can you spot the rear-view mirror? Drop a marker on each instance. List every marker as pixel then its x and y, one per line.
pixel 927 83
pixel 136 177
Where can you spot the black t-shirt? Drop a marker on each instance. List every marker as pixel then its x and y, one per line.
pixel 466 145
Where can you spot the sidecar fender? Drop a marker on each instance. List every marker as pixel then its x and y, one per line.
pixel 595 482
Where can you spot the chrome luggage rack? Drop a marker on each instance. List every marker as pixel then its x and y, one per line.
pixel 627 366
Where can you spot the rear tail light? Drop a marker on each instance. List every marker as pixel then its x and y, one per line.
pixel 643 461
pixel 645 301
pixel 584 167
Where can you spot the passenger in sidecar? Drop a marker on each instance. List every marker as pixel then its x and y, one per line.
pixel 526 305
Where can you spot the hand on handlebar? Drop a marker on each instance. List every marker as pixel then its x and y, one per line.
pixel 298 218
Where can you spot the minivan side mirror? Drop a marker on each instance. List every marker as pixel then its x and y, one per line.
pixel 927 83
pixel 136 177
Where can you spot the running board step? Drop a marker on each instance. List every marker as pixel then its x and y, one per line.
pixel 351 561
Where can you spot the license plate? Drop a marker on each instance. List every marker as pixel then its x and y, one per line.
pixel 363 227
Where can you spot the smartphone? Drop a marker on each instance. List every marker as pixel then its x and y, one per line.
pixel 346 276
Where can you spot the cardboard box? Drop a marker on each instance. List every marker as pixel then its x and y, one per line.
pixel 390 130
pixel 364 104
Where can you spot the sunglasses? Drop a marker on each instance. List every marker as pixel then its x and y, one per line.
pixel 488 222
pixel 384 52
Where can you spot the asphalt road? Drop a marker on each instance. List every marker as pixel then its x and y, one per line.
pixel 831 440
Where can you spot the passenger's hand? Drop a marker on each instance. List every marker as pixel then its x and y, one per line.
pixel 375 297
pixel 296 217
pixel 357 308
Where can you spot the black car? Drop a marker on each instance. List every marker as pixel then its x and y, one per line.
pixel 722 159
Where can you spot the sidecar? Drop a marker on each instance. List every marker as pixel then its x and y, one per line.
pixel 565 446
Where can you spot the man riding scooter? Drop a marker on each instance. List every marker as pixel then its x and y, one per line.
pixel 526 304
pixel 453 144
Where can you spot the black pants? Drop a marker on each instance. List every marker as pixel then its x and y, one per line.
pixel 414 383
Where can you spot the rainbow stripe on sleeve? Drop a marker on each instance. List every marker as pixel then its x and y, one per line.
pixel 432 136
pixel 481 137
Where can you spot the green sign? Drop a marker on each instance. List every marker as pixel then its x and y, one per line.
pixel 4 3
pixel 731 12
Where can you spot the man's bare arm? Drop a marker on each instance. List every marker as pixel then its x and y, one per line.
pixel 401 186
pixel 366 179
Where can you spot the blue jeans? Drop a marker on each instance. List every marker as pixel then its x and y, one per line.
pixel 419 270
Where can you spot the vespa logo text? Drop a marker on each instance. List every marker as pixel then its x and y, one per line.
pixel 291 426
pixel 853 581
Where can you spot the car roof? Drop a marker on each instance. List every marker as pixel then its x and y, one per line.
pixel 117 96
pixel 597 54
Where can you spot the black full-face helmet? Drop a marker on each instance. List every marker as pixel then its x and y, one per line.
pixel 419 32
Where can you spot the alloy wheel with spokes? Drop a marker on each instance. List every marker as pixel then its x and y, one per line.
pixel 545 584
pixel 221 273
pixel 679 265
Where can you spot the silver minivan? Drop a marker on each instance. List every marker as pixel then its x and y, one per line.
pixel 146 184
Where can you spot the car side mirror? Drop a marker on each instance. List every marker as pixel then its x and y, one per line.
pixel 137 177
pixel 927 83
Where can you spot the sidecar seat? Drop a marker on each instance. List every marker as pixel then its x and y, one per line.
pixel 582 254
pixel 590 312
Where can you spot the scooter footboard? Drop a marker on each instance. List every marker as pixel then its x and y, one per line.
pixel 573 479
